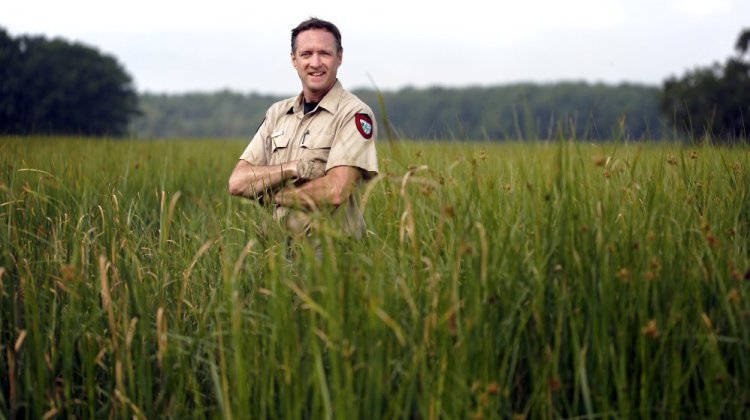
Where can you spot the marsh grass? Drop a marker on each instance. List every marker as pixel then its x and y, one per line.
pixel 555 279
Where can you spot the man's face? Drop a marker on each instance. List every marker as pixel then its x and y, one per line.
pixel 317 61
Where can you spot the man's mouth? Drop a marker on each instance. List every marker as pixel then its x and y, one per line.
pixel 317 73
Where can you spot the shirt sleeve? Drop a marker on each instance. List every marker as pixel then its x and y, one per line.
pixel 255 152
pixel 354 143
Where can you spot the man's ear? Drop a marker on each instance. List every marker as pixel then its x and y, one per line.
pixel 294 61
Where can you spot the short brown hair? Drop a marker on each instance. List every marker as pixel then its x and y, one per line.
pixel 315 23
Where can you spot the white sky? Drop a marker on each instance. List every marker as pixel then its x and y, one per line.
pixel 179 46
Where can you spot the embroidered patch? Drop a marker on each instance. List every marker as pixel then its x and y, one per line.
pixel 364 125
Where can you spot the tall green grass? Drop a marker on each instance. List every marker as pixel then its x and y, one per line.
pixel 537 280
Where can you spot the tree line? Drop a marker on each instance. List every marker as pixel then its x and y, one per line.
pixel 57 87
pixel 521 111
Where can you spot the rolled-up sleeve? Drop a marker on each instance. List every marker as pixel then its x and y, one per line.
pixel 255 152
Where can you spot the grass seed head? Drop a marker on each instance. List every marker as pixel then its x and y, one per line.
pixel 705 226
pixel 493 388
pixel 19 341
pixel 161 335
pixel 554 385
pixel 651 329
pixel 484 399
pixel 712 240
pixel 69 273
pixel 735 296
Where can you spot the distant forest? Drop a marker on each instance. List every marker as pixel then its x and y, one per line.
pixel 522 111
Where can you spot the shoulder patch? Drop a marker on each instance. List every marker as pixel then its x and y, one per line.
pixel 364 125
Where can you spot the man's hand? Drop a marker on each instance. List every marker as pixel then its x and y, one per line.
pixel 310 169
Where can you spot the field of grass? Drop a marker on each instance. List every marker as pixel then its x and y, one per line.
pixel 505 280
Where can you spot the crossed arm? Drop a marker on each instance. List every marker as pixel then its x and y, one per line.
pixel 333 188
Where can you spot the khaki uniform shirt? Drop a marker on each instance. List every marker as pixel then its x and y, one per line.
pixel 339 131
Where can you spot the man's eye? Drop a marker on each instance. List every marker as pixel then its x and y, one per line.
pixel 305 54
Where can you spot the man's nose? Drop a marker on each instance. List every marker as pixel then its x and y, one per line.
pixel 315 60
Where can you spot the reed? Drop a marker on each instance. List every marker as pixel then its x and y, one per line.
pixel 552 279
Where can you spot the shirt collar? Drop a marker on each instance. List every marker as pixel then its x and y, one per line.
pixel 330 102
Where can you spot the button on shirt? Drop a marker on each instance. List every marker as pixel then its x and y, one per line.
pixel 333 132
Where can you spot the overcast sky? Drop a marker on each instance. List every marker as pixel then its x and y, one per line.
pixel 178 46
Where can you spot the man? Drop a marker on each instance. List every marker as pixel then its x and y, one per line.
pixel 312 151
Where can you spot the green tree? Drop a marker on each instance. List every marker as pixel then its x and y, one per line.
pixel 524 111
pixel 57 87
pixel 712 102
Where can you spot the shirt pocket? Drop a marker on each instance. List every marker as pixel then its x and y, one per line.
pixel 317 146
pixel 278 141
